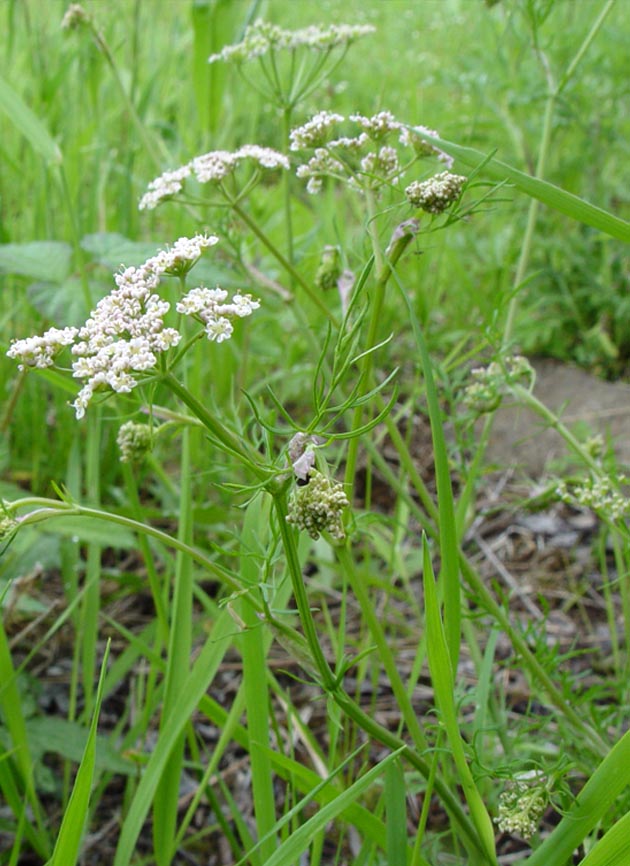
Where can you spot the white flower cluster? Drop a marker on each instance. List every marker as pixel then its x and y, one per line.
pixel 206 305
pixel 262 36
pixel 315 132
pixel 409 137
pixel 600 494
pixel 40 351
pixel 437 193
pixel 126 331
pixel 365 160
pixel 209 167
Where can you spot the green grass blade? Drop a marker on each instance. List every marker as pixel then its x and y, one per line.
pixel 596 797
pixel 29 124
pixel 192 690
pixel 396 812
pixel 613 849
pixel 449 544
pixel 443 686
pixel 253 540
pixel 294 846
pixel 553 196
pixel 66 851
pixel 165 806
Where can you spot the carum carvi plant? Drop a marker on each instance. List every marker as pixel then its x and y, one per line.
pixel 292 470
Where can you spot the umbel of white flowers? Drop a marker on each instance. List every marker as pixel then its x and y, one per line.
pixel 263 36
pixel 378 154
pixel 126 332
pixel 213 168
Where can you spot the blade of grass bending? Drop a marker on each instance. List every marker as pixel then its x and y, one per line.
pixel 29 124
pixel 193 687
pixel 449 546
pixel 548 193
pixel 166 803
pixel 613 849
pixel 11 704
pixel 443 686
pixel 66 851
pixel 592 803
pixel 292 848
pixel 253 540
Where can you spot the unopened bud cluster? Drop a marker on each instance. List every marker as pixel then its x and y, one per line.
pixel 600 494
pixel 8 525
pixel 491 383
pixel 522 806
pixel 75 16
pixel 317 506
pixel 437 193
pixel 329 269
pixel 135 441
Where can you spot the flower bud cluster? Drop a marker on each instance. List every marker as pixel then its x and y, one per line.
pixel 600 494
pixel 262 36
pixel 317 506
pixel 126 332
pixel 329 269
pixel 8 525
pixel 74 17
pixel 367 160
pixel 521 807
pixel 491 383
pixel 211 167
pixel 437 193
pixel 134 441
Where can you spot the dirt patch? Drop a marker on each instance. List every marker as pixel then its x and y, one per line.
pixel 521 440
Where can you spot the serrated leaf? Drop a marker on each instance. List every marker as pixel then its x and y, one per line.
pixel 40 260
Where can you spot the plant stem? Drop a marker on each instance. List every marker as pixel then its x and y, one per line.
pixel 333 688
pixel 286 264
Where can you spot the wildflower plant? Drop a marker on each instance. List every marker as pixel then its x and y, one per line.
pixel 291 468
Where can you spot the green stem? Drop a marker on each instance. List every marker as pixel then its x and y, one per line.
pixel 383 270
pixel 348 706
pixel 288 184
pixel 386 655
pixel 48 509
pixel 149 144
pixel 289 268
pixel 229 440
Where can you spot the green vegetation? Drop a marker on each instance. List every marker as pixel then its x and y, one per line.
pixel 245 618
